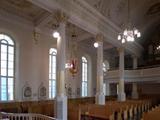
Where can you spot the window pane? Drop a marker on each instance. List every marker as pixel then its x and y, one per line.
pixel 3 89
pixel 49 88
pixel 4 41
pixel 8 39
pixel 10 72
pixel 50 77
pixel 50 64
pixel 3 64
pixel 53 76
pixel 54 88
pixel 10 65
pixel 3 48
pixel 10 57
pixel 54 68
pixel 3 56
pixel 10 88
pixel 3 72
pixel 10 50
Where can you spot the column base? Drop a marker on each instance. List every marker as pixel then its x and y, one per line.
pixel 61 107
pixel 135 95
pixel 100 99
pixel 121 97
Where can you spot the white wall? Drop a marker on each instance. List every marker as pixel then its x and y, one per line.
pixel 75 82
pixel 32 60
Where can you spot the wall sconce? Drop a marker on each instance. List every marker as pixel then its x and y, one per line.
pixel 96 44
pixel 56 34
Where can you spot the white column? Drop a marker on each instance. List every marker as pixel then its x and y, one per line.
pixel 135 63
pixel 61 98
pixel 134 85
pixel 121 85
pixel 100 97
pixel 107 88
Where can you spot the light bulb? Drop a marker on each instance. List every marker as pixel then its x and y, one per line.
pixel 135 31
pixel 123 40
pixel 67 65
pixel 129 38
pixel 96 44
pixel 138 34
pixel 119 37
pixel 132 39
pixel 56 34
pixel 125 32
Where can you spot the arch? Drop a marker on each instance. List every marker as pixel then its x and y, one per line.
pixel 13 35
pixel 7 66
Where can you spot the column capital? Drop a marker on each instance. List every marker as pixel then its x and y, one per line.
pixel 134 56
pixel 120 49
pixel 60 17
pixel 99 37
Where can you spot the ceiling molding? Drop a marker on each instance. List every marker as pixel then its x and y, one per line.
pixel 83 37
pixel 44 20
pixel 6 16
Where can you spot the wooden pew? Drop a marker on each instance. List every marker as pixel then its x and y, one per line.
pixel 154 114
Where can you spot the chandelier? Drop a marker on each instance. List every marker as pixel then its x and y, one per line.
pixel 158 47
pixel 129 34
pixel 72 63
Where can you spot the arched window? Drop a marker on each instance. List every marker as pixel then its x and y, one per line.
pixel 84 77
pixel 52 72
pixel 7 57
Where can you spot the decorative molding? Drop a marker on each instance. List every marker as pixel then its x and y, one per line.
pixel 27 92
pixel 99 37
pixel 120 49
pixel 42 92
pixel 154 9
pixel 60 16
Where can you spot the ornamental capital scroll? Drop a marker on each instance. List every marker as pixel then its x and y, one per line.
pixel 99 38
pixel 60 17
pixel 120 49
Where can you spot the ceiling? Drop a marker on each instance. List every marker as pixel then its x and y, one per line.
pixel 22 8
pixel 116 10
pixel 35 14
pixel 144 15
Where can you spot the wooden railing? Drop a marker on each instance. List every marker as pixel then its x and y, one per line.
pixel 24 116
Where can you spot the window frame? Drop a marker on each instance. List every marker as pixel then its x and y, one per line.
pixel 7 62
pixel 85 72
pixel 51 80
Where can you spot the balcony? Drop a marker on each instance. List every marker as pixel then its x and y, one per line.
pixel 149 74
